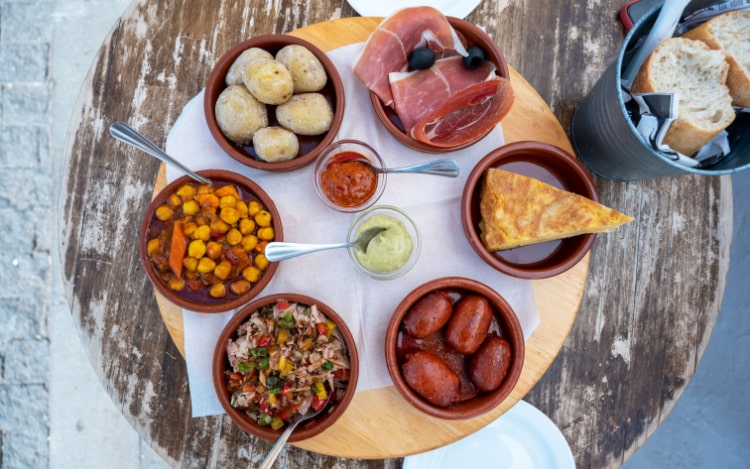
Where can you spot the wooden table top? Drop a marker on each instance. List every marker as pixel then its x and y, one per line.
pixel 652 290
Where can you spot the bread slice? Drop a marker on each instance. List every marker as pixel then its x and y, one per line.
pixel 730 33
pixel 698 74
pixel 518 210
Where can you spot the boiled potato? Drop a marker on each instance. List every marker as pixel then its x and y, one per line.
pixel 307 72
pixel 269 81
pixel 237 69
pixel 306 114
pixel 275 144
pixel 239 115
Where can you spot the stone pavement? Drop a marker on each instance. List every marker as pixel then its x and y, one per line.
pixel 54 411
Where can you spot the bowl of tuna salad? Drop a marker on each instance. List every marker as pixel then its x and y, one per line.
pixel 283 356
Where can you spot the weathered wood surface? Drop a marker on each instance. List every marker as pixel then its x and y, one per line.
pixel 652 296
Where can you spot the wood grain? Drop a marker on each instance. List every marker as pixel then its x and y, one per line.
pixel 650 300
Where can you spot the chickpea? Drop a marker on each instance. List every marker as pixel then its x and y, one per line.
pixel 261 262
pixel 251 273
pixel 190 264
pixel 214 250
pixel 218 290
pixel 186 192
pixel 229 215
pixel 164 212
pixel 223 269
pixel 174 200
pixel 249 242
pixel 196 249
pixel 241 208
pixel 203 233
pixel 188 228
pixel 238 287
pixel 247 226
pixel 253 207
pixel 152 246
pixel 266 233
pixel 191 207
pixel 208 202
pixel 205 189
pixel 229 189
pixel 233 237
pixel 206 265
pixel 219 225
pixel 263 218
pixel 176 283
pixel 227 201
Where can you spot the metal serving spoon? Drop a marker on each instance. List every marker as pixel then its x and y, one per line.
pixel 447 168
pixel 124 133
pixel 279 445
pixel 278 251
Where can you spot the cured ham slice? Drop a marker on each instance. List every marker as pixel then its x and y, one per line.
pixel 388 47
pixel 466 115
pixel 414 93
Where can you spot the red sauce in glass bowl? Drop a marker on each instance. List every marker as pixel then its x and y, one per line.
pixel 348 181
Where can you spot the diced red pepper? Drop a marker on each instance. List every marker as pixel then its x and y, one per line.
pixel 282 304
pixel 286 390
pixel 322 328
pixel 265 341
pixel 342 374
pixel 287 412
pixel 318 403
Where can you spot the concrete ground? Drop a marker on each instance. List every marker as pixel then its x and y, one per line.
pixel 54 411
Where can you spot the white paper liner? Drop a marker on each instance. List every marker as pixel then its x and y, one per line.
pixel 365 304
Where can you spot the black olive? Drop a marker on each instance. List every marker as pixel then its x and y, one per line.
pixel 421 58
pixel 475 57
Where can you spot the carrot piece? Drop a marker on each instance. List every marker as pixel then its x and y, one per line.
pixel 177 250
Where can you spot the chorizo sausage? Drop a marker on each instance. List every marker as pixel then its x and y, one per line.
pixel 490 364
pixel 469 324
pixel 431 378
pixel 428 315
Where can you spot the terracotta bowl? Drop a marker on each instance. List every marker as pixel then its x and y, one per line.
pixel 307 429
pixel 399 344
pixel 199 299
pixel 310 146
pixel 345 151
pixel 551 165
pixel 472 35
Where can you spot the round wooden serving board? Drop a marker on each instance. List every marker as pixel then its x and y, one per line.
pixel 379 423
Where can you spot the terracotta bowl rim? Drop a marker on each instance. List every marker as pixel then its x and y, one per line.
pixel 215 175
pixel 219 364
pixel 503 313
pixel 578 245
pixel 215 84
pixel 491 48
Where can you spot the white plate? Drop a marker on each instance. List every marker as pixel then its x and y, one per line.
pixel 459 9
pixel 523 438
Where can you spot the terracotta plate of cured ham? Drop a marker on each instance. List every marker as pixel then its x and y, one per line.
pixel 446 107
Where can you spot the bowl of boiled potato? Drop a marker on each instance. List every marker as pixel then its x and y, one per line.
pixel 273 102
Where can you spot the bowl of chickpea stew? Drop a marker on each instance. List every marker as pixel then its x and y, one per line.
pixel 202 245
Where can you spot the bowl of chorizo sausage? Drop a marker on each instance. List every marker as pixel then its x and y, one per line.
pixel 454 348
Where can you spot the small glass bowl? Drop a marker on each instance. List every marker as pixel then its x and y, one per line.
pixel 342 151
pixel 411 229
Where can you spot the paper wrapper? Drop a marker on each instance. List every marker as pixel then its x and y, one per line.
pixel 365 304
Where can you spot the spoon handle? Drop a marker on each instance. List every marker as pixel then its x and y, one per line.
pixel 278 251
pixel 124 133
pixel 278 446
pixel 447 168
